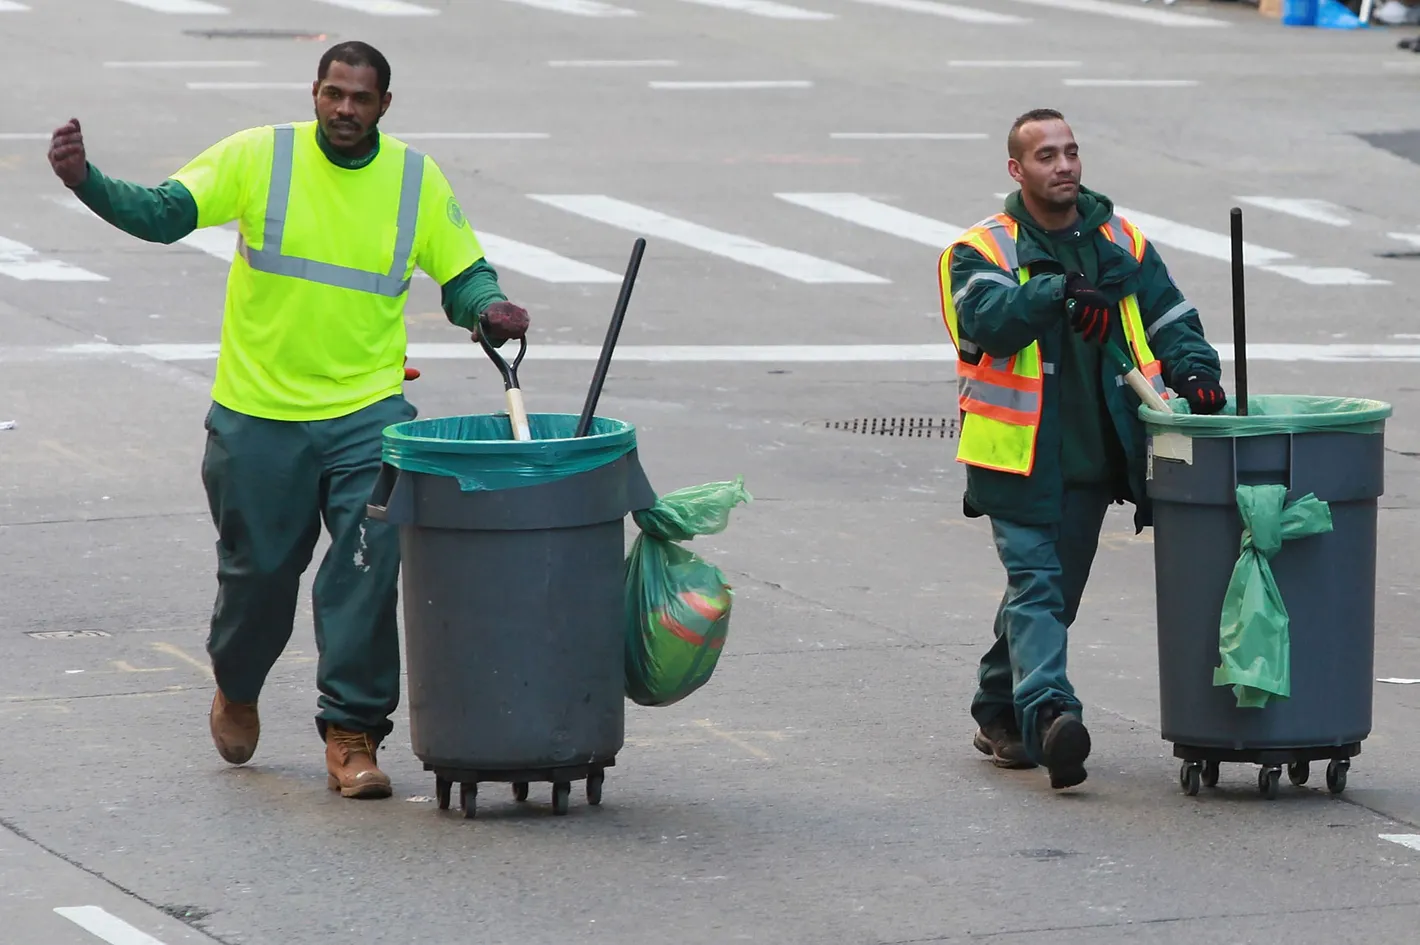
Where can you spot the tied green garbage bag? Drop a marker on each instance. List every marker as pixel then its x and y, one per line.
pixel 480 452
pixel 1253 638
pixel 677 604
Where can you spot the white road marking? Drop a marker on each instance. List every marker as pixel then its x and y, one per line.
pixel 766 8
pixel 594 8
pixel 1410 840
pixel 1399 682
pixel 383 7
pixel 610 63
pixel 1130 83
pixel 10 6
pixel 539 263
pixel 1319 211
pixel 855 208
pixel 716 354
pixel 26 136
pixel 736 84
pixel 108 927
pixel 1412 238
pixel 245 86
pixel 1324 275
pixel 1125 11
pixel 22 262
pixel 186 64
pixel 1014 63
pixel 950 11
pixel 469 135
pixel 908 136
pixel 178 6
pixel 795 265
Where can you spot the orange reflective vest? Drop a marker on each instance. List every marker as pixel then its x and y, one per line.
pixel 1000 399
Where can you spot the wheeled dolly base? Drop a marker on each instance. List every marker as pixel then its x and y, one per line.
pixel 1200 765
pixel 561 778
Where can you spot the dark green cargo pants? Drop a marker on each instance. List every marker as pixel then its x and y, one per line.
pixel 270 484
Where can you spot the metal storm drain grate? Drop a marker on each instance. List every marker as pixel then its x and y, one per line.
pixel 65 634
pixel 257 34
pixel 912 427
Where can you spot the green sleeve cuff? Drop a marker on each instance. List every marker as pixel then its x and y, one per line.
pixel 162 214
pixel 467 294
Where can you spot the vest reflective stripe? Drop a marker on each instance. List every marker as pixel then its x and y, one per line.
pixel 270 258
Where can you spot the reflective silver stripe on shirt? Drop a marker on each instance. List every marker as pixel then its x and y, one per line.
pixel 1169 317
pixel 1005 397
pixel 997 277
pixel 1003 239
pixel 272 260
pixel 1117 234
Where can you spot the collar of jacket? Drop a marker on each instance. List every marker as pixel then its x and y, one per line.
pixel 344 160
pixel 1119 272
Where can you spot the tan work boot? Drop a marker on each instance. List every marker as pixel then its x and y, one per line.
pixel 350 763
pixel 235 728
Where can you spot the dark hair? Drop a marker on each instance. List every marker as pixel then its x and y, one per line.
pixel 355 53
pixel 1013 140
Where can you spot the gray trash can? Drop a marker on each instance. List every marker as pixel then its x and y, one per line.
pixel 1331 448
pixel 513 558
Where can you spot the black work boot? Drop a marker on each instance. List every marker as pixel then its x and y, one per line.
pixel 1001 739
pixel 1064 745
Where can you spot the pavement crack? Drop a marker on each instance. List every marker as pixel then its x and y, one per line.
pixel 138 517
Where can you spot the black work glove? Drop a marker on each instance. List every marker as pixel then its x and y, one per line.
pixel 1204 395
pixel 1089 309
pixel 504 320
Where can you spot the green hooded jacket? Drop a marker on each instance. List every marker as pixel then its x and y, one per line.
pixel 1090 434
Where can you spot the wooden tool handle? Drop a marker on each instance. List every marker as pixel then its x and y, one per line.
pixel 1146 391
pixel 518 414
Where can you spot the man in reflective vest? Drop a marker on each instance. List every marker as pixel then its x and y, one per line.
pixel 332 217
pixel 1050 434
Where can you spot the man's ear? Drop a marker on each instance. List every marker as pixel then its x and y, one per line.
pixel 385 105
pixel 1013 167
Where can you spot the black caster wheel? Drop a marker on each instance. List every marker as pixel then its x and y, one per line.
pixel 561 796
pixel 1189 778
pixel 520 791
pixel 468 800
pixel 1210 774
pixel 443 790
pixel 1267 781
pixel 1298 772
pixel 594 787
pixel 1336 775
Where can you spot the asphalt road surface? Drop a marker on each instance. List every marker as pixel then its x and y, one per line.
pixel 796 167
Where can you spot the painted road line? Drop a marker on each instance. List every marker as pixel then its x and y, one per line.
pixel 469 135
pixel 22 262
pixel 611 63
pixel 178 6
pixel 1409 840
pixel 186 64
pixel 245 86
pixel 1319 211
pixel 766 8
pixel 908 136
pixel 950 11
pixel 885 218
pixel 1014 63
pixel 593 8
pixel 1398 681
pixel 736 84
pixel 1412 238
pixel 26 136
pixel 383 7
pixel 717 354
pixel 1123 11
pixel 642 221
pixel 1130 83
pixel 539 263
pixel 11 6
pixel 105 926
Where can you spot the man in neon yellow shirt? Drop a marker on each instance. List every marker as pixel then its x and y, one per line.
pixel 333 217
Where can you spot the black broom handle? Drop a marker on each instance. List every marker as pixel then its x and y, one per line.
pixel 584 423
pixel 1239 316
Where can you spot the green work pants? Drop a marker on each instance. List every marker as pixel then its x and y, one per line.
pixel 270 484
pixel 1047 567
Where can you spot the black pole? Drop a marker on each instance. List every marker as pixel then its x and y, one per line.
pixel 1239 316
pixel 584 423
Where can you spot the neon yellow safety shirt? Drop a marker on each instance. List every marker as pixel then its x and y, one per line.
pixel 313 324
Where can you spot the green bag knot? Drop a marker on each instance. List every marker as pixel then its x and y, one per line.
pixel 1253 638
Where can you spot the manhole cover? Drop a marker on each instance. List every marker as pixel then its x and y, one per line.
pixel 65 634
pixel 915 427
pixel 303 35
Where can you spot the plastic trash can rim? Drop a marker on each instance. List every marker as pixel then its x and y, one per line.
pixel 620 429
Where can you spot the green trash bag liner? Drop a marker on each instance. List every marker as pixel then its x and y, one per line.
pixel 1253 638
pixel 1269 414
pixel 480 452
pixel 677 604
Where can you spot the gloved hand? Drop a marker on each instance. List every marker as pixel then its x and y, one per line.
pixel 505 321
pixel 409 372
pixel 1204 395
pixel 1090 313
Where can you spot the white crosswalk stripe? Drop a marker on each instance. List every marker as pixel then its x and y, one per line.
pixel 770 9
pixel 1128 11
pixel 383 7
pixel 22 262
pixel 950 11
pixel 179 6
pixel 12 6
pixel 800 267
pixel 591 8
pixel 885 218
pixel 1319 211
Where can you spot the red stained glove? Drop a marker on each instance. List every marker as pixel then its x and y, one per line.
pixel 1204 395
pixel 1089 309
pixel 505 321
pixel 409 372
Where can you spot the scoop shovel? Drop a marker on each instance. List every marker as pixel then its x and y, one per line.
pixel 517 413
